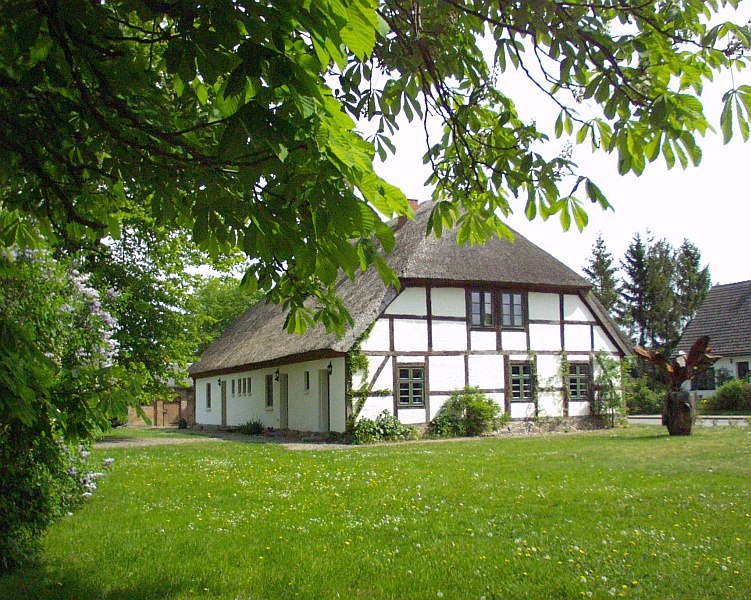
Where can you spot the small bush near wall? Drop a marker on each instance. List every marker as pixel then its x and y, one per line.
pixel 252 427
pixel 385 428
pixel 734 395
pixel 467 412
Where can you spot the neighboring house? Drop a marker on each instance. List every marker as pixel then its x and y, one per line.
pixel 725 316
pixel 498 316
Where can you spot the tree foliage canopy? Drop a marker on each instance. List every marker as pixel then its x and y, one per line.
pixel 660 290
pixel 237 121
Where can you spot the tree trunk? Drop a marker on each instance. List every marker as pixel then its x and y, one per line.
pixel 679 412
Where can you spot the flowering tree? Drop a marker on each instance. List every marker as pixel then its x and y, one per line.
pixel 59 382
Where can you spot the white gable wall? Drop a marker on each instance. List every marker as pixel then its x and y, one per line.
pixel 428 326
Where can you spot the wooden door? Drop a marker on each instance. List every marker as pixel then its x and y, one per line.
pixel 324 404
pixel 284 401
pixel 224 403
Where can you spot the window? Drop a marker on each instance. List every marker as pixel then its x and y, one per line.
pixel 306 380
pixel 208 396
pixel 481 308
pixel 704 381
pixel 521 382
pixel 578 381
pixel 512 310
pixel 233 387
pixel 411 386
pixel 742 369
pixel 249 380
pixel 269 391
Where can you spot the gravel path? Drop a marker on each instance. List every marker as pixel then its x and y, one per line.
pixel 200 437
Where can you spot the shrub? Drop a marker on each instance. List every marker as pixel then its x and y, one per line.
pixel 252 427
pixel 467 412
pixel 41 480
pixel 182 424
pixel 734 395
pixel 386 427
pixel 641 399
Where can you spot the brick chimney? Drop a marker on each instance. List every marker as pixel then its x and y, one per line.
pixel 402 220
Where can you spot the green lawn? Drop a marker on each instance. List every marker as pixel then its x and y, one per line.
pixel 632 513
pixel 144 432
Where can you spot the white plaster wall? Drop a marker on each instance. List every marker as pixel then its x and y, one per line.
pixel 378 340
pixel 577 338
pixel 498 399
pixel 403 359
pixel 410 335
pixel 573 357
pixel 446 373
pixel 449 335
pixel 241 408
pixel 522 410
pixel 375 405
pixel 602 341
pixel 303 405
pixel 550 404
pixel 411 301
pixel 412 416
pixel 544 306
pixel 544 337
pixel 482 340
pixel 514 340
pixel 448 302
pixel 575 310
pixel 548 370
pixel 337 418
pixel 726 362
pixel 578 409
pixel 730 363
pixel 385 380
pixel 486 371
pixel 436 402
pixel 204 416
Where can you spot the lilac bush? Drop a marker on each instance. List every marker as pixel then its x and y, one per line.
pixel 59 382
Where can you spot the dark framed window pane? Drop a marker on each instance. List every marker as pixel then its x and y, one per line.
pixel 705 380
pixel 578 381
pixel 269 391
pixel 521 382
pixel 481 308
pixel 742 369
pixel 411 386
pixel 512 310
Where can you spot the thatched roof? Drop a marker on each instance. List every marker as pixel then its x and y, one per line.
pixel 257 338
pixel 725 316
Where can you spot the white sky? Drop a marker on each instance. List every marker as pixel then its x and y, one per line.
pixel 710 204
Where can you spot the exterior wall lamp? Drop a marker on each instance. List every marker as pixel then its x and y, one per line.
pixel 276 375
pixel 330 369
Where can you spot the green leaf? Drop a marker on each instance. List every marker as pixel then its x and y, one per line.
pixel 726 118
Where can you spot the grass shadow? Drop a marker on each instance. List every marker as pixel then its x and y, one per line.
pixel 35 582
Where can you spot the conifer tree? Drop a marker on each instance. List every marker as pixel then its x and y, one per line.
pixel 692 283
pixel 633 312
pixel 601 273
pixel 662 322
